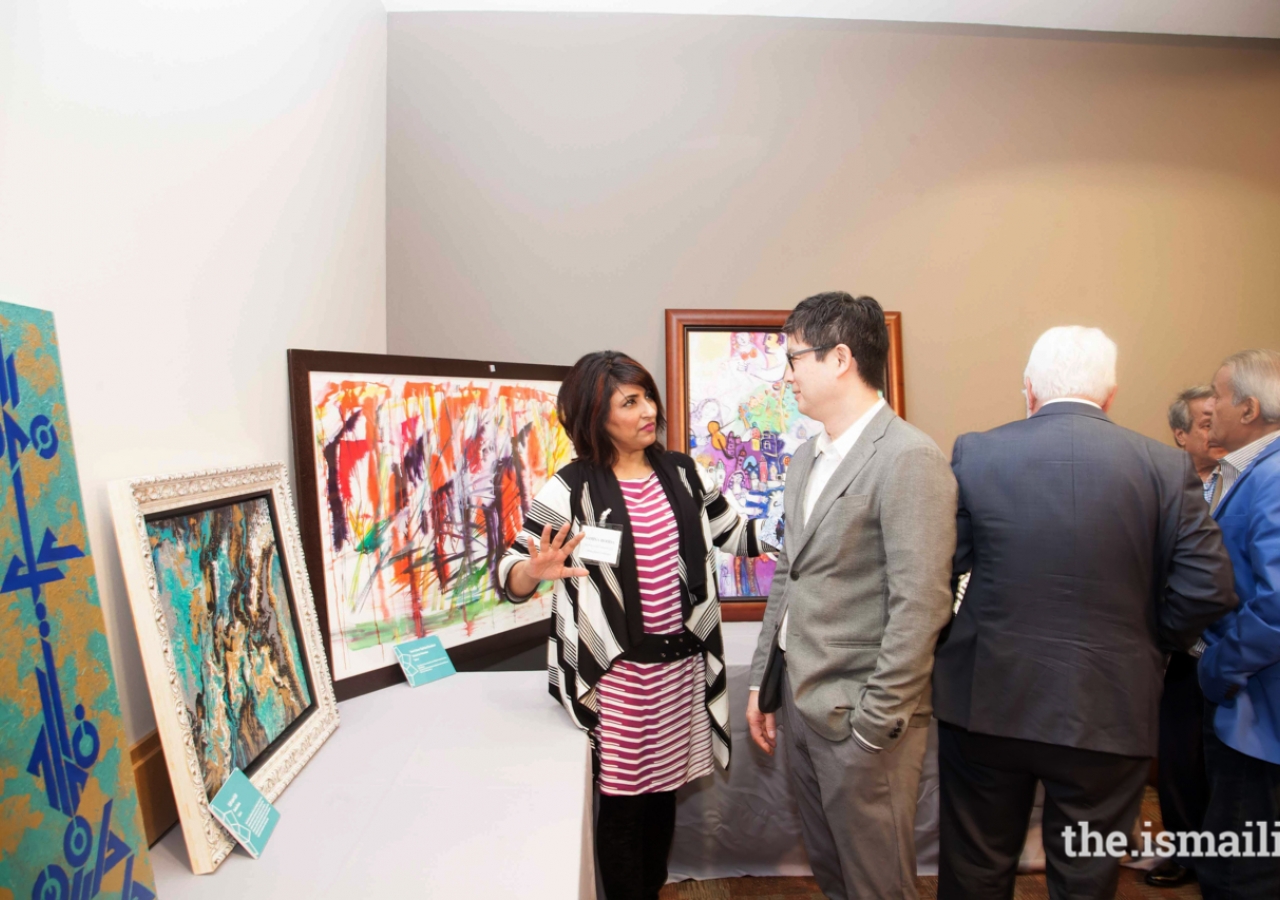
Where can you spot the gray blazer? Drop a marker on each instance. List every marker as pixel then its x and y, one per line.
pixel 868 584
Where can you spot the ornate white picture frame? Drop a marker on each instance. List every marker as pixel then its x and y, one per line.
pixel 226 542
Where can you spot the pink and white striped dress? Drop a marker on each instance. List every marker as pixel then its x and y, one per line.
pixel 654 733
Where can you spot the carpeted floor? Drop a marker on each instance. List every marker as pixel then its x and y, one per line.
pixel 1030 887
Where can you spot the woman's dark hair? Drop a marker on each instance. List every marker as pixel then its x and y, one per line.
pixel 825 320
pixel 586 397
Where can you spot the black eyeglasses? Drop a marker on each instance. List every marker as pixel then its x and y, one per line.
pixel 792 357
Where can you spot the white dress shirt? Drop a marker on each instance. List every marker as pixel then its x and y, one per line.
pixel 1232 466
pixel 1070 400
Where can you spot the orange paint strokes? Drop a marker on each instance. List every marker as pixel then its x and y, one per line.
pixel 404 577
pixel 349 397
pixel 373 475
pixel 511 515
pixel 442 463
pixel 432 479
pixel 535 453
pixel 350 454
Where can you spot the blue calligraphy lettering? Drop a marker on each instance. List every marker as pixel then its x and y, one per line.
pixel 61 760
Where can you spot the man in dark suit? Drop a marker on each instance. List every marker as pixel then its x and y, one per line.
pixel 1181 781
pixel 1092 554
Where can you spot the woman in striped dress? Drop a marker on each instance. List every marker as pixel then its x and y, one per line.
pixel 635 654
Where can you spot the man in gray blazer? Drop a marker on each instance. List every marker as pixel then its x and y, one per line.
pixel 1092 555
pixel 861 591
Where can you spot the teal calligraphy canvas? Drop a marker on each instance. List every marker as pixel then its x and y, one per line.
pixel 70 825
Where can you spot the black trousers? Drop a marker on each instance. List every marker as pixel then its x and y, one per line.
pixel 988 787
pixel 1242 790
pixel 1181 778
pixel 633 841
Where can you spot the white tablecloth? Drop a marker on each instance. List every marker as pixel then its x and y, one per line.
pixel 473 786
pixel 478 786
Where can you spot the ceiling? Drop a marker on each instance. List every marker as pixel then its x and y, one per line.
pixel 1222 18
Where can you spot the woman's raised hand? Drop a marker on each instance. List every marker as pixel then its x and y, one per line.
pixel 547 560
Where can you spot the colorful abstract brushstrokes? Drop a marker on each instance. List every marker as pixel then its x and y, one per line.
pixel 70 825
pixel 422 483
pixel 232 631
pixel 744 426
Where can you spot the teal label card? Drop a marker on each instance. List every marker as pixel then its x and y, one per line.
pixel 244 812
pixel 424 660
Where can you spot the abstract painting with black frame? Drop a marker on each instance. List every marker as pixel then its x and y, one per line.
pixel 415 474
pixel 229 635
pixel 729 408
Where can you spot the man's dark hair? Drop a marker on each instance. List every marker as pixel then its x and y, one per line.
pixel 825 320
pixel 586 397
pixel 1180 410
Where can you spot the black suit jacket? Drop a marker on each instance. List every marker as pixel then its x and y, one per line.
pixel 1092 554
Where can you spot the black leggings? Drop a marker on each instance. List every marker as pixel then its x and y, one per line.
pixel 633 839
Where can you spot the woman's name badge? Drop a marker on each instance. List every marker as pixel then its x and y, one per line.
pixel 601 544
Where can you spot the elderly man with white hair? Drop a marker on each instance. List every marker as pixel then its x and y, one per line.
pixel 1091 554
pixel 1240 668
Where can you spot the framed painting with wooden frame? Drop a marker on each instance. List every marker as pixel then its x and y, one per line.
pixel 228 633
pixel 729 408
pixel 414 475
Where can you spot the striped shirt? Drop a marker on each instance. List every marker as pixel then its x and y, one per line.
pixel 1232 466
pixel 654 732
pixel 583 646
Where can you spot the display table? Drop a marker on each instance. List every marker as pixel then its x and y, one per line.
pixel 473 786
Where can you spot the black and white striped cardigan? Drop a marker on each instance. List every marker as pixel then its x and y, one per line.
pixel 596 619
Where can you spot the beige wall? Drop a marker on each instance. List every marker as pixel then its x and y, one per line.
pixel 555 181
pixel 191 191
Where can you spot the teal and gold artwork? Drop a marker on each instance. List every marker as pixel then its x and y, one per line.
pixel 70 826
pixel 232 630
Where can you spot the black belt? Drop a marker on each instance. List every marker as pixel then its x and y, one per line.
pixel 657 648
